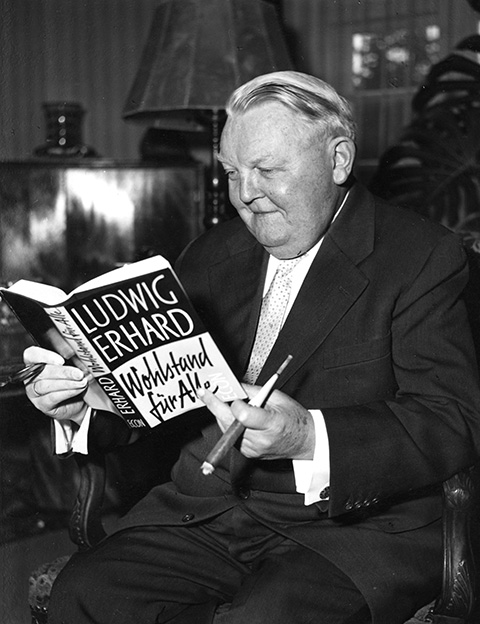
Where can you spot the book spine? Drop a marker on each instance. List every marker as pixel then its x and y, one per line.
pixel 87 357
pixel 70 330
pixel 124 406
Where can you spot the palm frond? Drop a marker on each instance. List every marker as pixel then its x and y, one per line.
pixel 435 166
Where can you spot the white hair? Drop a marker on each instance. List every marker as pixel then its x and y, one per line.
pixel 312 98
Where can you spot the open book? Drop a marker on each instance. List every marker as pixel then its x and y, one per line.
pixel 136 331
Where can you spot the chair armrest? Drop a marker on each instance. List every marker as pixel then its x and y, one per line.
pixel 457 600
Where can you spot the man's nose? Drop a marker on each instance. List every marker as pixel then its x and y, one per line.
pixel 249 188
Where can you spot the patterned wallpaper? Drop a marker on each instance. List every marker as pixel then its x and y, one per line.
pixel 85 51
pixel 88 51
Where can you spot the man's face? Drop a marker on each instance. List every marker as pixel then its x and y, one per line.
pixel 281 177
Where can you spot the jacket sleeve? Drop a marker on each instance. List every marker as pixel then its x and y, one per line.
pixel 431 428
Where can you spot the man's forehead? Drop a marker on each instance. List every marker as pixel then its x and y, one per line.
pixel 267 151
pixel 254 143
pixel 250 153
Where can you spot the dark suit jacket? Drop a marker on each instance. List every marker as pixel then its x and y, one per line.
pixel 381 345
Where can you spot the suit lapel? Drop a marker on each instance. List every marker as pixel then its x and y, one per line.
pixel 331 287
pixel 237 284
pixel 336 284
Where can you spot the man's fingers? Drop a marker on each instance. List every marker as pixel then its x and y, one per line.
pixel 250 416
pixel 58 390
pixel 35 354
pixel 219 409
pixel 54 378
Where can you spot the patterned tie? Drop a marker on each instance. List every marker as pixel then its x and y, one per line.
pixel 272 314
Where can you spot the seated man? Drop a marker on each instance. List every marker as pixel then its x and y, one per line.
pixel 329 507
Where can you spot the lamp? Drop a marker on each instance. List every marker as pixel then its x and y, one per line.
pixel 197 53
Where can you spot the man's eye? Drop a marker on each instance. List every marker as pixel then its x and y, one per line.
pixel 265 172
pixel 231 175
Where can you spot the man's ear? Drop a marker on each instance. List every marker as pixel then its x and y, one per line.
pixel 343 158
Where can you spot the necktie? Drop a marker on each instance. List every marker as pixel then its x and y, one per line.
pixel 272 314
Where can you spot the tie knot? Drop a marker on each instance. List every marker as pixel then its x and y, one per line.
pixel 286 266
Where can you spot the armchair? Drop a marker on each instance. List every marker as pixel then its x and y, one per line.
pixel 455 605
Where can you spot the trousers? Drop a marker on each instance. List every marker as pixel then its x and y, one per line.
pixel 230 570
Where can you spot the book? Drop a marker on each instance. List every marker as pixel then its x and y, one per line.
pixel 135 329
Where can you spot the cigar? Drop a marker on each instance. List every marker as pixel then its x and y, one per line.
pixel 236 429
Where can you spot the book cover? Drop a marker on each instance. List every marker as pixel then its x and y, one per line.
pixel 136 331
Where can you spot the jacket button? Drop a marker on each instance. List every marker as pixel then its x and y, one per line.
pixel 188 517
pixel 349 506
pixel 243 493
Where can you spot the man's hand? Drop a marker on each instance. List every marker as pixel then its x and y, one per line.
pixel 58 390
pixel 283 429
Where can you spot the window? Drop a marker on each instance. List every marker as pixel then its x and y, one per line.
pixel 377 54
pixel 401 58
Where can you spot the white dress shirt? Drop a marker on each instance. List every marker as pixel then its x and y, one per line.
pixel 311 475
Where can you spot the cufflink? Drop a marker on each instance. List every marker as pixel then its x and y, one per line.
pixel 325 493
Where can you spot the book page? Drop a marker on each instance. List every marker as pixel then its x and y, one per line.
pixel 51 295
pixel 127 271
pixel 43 293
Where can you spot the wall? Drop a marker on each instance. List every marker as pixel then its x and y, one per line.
pixel 320 34
pixel 89 50
pixel 86 51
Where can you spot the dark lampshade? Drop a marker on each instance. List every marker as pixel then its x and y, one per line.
pixel 197 53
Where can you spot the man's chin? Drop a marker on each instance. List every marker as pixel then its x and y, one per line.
pixel 268 240
pixel 267 229
pixel 275 246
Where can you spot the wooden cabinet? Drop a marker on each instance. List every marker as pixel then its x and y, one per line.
pixel 66 222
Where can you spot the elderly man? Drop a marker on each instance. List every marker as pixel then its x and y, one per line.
pixel 328 508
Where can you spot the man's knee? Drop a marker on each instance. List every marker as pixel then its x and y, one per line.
pixel 296 585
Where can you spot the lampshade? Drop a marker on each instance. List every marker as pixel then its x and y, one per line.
pixel 197 53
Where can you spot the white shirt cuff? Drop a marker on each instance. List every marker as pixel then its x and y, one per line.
pixel 313 475
pixel 71 438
